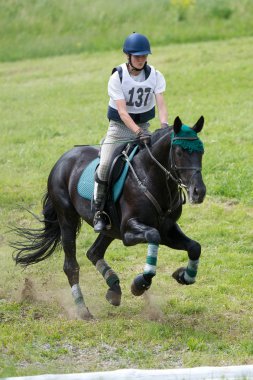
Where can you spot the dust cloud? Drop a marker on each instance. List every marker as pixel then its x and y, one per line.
pixel 152 309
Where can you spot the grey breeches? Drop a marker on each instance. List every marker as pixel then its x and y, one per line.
pixel 116 131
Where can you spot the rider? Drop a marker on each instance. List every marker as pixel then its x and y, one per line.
pixel 134 89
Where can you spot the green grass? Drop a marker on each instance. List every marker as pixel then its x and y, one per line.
pixel 63 100
pixel 43 28
pixel 50 104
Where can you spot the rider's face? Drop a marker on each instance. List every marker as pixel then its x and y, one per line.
pixel 138 61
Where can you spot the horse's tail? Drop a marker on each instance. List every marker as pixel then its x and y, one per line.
pixel 38 244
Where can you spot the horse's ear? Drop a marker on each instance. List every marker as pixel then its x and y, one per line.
pixel 199 125
pixel 177 125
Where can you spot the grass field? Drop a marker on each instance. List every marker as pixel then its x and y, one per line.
pixel 41 28
pixel 48 105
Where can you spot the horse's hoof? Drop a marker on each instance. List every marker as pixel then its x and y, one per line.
pixel 139 285
pixel 84 314
pixel 178 275
pixel 113 297
pixel 113 294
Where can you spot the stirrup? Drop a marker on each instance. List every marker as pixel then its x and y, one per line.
pixel 101 222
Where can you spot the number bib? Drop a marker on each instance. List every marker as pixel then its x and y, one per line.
pixel 139 96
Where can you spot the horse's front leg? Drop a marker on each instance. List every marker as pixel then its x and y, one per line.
pixel 176 239
pixel 96 255
pixel 135 233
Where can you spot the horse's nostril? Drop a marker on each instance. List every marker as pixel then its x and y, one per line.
pixel 199 191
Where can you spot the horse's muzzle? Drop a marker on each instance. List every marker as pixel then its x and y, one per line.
pixel 196 193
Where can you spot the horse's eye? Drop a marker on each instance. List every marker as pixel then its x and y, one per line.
pixel 179 153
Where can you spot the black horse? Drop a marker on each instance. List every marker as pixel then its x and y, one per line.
pixel 147 211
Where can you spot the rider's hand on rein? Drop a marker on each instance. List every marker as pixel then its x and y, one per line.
pixel 144 138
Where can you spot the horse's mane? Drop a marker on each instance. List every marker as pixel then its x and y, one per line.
pixel 160 133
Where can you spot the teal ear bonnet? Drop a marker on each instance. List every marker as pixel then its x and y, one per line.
pixel 194 144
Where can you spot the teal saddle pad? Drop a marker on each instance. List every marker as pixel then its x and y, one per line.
pixel 85 186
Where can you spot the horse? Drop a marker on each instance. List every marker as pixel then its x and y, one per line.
pixel 159 179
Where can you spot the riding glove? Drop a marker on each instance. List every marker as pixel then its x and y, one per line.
pixel 144 137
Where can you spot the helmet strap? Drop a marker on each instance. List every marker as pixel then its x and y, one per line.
pixel 132 66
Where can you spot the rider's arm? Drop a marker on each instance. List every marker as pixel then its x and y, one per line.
pixel 125 117
pixel 162 109
pixel 160 101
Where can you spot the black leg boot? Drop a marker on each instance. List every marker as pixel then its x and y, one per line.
pixel 100 221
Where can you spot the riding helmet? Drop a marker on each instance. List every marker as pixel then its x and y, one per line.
pixel 136 44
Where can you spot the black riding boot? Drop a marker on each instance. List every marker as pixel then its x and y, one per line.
pixel 100 221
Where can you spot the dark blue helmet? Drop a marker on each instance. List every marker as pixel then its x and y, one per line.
pixel 136 44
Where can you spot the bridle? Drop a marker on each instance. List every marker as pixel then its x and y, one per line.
pixel 176 168
pixel 173 166
pixel 182 188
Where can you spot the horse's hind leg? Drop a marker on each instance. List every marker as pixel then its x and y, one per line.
pixel 96 255
pixel 176 239
pixel 70 223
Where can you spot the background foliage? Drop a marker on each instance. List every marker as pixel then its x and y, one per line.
pixel 56 59
pixel 42 28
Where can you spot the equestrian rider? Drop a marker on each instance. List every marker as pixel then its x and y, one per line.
pixel 134 89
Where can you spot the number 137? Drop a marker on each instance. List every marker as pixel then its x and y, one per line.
pixel 142 97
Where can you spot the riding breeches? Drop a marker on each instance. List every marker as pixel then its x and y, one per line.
pixel 116 135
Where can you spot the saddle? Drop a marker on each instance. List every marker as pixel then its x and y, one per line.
pixel 117 176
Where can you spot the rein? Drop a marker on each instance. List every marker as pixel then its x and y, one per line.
pixel 168 174
pixel 142 186
pixel 144 189
pixel 181 186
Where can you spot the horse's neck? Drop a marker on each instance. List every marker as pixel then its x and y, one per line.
pixel 159 183
pixel 161 150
